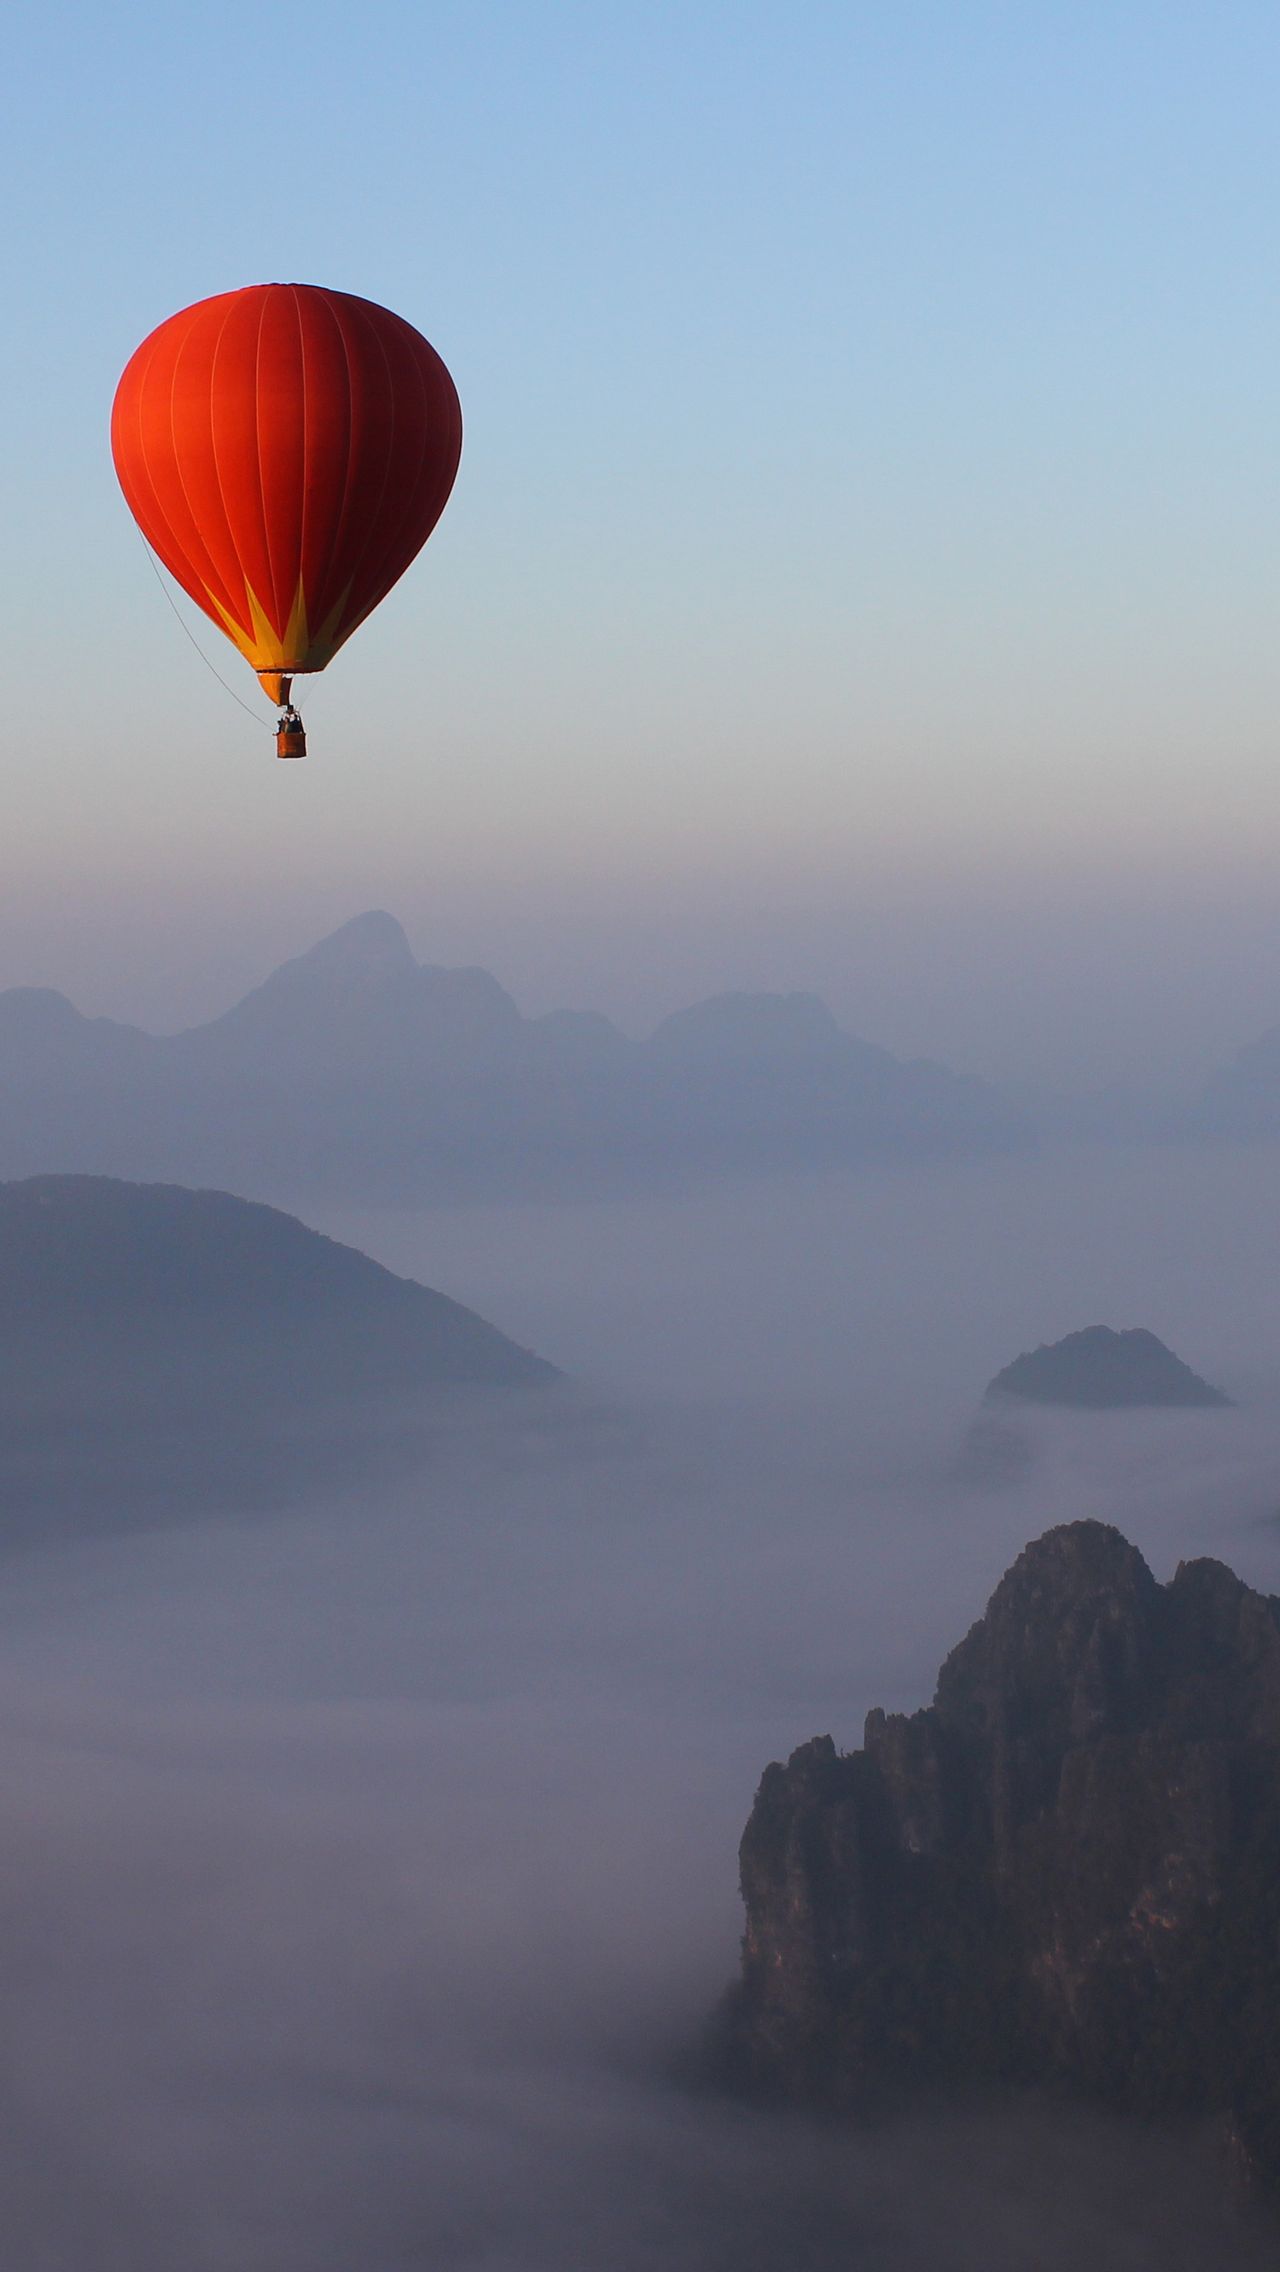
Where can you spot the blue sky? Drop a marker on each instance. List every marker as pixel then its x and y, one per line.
pixel 863 568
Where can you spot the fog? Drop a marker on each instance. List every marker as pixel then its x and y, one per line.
pixel 370 1862
pixel 891 1296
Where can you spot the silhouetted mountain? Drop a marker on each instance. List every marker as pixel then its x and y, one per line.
pixel 161 1348
pixel 355 1073
pixel 759 1076
pixel 358 1003
pixel 152 1292
pixel 1100 1369
pixel 1064 1870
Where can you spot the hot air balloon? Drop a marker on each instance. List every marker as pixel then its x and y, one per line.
pixel 287 451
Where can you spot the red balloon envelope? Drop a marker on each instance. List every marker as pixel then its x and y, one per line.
pixel 287 451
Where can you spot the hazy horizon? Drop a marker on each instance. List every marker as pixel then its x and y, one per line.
pixel 1141 996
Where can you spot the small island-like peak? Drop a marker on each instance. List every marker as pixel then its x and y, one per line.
pixel 1100 1369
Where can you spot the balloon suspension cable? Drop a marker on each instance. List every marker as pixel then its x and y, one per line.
pixel 249 713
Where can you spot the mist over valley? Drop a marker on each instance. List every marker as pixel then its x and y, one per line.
pixel 372 1826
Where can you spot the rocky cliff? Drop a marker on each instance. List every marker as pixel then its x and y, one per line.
pixel 1066 1869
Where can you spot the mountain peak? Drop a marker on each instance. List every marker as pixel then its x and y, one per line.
pixel 1100 1368
pixel 373 942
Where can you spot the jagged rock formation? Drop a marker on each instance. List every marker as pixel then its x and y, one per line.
pixel 1067 1868
pixel 1101 1370
pixel 356 1073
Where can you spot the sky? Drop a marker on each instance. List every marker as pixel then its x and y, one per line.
pixel 862 570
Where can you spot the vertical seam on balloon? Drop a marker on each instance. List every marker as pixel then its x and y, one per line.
pixel 375 333
pixel 177 464
pixel 257 599
pixel 455 435
pixel 391 550
pixel 409 516
pixel 160 517
pixel 324 599
pixel 302 517
pixel 341 523
pixel 217 469
pixel 455 425
pixel 257 451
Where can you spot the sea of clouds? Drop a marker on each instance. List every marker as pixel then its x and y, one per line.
pixel 369 1862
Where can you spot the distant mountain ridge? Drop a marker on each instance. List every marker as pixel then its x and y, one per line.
pixel 355 1073
pixel 1235 1102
